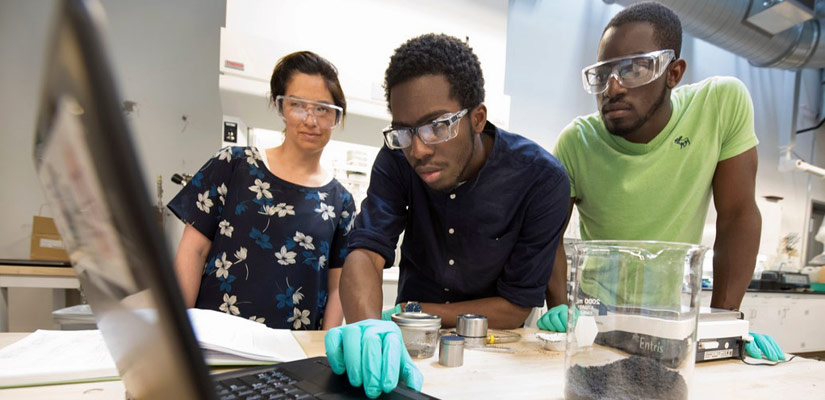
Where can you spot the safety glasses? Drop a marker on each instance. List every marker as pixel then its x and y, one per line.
pixel 326 116
pixel 440 130
pixel 630 72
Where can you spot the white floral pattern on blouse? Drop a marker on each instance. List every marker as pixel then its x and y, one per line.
pixel 272 241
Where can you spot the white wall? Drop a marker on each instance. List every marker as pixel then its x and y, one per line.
pixel 22 51
pixel 549 42
pixel 164 54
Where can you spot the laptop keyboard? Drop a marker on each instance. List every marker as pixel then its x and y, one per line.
pixel 273 384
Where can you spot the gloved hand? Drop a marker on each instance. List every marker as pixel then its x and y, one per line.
pixel 763 346
pixel 372 353
pixel 386 315
pixel 555 319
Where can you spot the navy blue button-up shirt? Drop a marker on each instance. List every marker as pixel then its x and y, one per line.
pixel 494 235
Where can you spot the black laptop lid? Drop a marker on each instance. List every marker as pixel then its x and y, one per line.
pixel 91 177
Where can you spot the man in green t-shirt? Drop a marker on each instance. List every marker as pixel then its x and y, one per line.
pixel 645 166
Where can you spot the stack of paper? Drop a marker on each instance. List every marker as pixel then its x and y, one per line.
pixel 229 340
pixel 57 357
pixel 54 357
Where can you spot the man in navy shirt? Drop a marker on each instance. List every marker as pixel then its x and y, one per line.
pixel 482 211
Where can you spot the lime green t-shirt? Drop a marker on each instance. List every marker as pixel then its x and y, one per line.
pixel 658 190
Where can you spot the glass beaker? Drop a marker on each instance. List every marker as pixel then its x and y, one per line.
pixel 633 312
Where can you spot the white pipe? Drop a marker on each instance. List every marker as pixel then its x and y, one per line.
pixel 812 169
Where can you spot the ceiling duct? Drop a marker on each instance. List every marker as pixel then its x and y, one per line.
pixel 769 33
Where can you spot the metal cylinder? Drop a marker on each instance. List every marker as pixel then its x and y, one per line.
pixel 471 326
pixel 451 351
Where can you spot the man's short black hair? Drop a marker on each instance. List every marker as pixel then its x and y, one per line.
pixel 666 24
pixel 438 54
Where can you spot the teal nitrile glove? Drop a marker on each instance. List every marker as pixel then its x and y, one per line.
pixel 372 353
pixel 386 315
pixel 554 320
pixel 763 346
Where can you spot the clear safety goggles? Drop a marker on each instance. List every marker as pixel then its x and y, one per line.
pixel 630 72
pixel 326 116
pixel 440 130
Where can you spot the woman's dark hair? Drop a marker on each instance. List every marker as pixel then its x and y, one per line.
pixel 438 54
pixel 308 63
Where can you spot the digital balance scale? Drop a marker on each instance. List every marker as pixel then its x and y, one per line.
pixel 665 336
pixel 721 334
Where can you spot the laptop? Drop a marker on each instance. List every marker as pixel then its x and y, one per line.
pixel 90 174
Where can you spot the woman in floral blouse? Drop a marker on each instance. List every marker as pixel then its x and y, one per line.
pixel 266 231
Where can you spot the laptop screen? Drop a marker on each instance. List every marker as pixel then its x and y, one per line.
pixel 90 175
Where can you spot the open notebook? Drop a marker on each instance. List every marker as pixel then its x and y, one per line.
pixel 56 357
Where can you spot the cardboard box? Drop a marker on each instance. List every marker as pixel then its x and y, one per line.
pixel 46 242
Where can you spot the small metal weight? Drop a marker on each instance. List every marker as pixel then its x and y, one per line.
pixel 451 351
